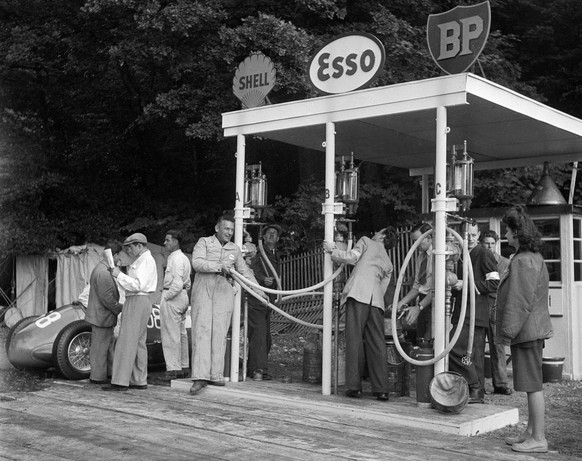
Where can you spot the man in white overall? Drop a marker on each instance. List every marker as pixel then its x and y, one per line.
pixel 173 308
pixel 213 302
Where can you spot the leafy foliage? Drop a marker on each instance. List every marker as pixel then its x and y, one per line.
pixel 110 114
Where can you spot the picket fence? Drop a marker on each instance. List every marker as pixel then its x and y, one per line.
pixel 306 269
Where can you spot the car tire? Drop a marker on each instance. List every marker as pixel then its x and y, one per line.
pixel 71 351
pixel 17 327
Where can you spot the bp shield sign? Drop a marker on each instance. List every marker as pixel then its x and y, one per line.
pixel 347 63
pixel 457 37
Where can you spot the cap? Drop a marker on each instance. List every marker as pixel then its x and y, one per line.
pixel 273 226
pixel 136 238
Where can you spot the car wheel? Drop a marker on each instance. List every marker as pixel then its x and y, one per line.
pixel 71 350
pixel 17 327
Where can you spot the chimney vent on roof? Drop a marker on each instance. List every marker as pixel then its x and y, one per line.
pixel 546 192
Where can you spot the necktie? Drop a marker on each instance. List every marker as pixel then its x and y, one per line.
pixel 422 269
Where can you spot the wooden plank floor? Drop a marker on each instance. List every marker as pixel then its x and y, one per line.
pixel 78 421
pixel 473 420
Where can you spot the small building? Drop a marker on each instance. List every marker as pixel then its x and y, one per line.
pixel 561 227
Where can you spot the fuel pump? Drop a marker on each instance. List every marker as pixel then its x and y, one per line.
pixel 347 195
pixel 460 177
pixel 460 188
pixel 255 189
pixel 348 184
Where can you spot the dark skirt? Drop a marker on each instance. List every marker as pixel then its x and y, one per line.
pixel 527 366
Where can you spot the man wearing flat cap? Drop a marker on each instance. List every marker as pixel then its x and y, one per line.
pixel 266 266
pixel 130 362
pixel 213 301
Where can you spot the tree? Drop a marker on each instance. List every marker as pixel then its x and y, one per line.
pixel 111 109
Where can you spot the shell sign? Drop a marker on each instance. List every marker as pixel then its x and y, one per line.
pixel 347 63
pixel 253 80
pixel 457 37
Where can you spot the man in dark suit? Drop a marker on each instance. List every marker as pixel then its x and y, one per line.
pixel 102 310
pixel 259 316
pixel 486 282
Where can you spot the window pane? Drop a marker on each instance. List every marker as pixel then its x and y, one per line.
pixel 577 249
pixel 578 272
pixel 548 227
pixel 577 226
pixel 551 250
pixel 554 271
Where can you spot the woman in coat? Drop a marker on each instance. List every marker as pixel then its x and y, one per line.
pixel 363 297
pixel 523 322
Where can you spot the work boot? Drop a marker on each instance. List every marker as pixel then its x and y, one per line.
pixel 170 375
pixel 197 386
pixel 503 390
pixel 476 395
pixel 257 375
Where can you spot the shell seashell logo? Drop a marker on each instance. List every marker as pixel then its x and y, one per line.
pixel 253 80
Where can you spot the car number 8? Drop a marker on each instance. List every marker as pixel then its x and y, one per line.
pixel 154 320
pixel 45 321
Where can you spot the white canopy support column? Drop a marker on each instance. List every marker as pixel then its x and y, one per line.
pixel 328 265
pixel 238 239
pixel 440 229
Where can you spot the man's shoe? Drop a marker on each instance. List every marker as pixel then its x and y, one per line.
pixel 382 396
pixel 531 446
pixel 185 372
pixel 354 393
pixel 257 375
pixel 138 386
pixel 503 390
pixel 218 382
pixel 197 386
pixel 169 376
pixel 115 387
pixel 94 381
pixel 516 439
pixel 476 395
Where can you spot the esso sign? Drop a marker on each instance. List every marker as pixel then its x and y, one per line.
pixel 347 63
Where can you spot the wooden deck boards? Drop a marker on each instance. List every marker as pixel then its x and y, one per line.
pixel 76 421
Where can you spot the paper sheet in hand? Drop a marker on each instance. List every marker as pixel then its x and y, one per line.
pixel 109 257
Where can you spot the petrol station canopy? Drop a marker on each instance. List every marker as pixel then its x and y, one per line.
pixel 395 125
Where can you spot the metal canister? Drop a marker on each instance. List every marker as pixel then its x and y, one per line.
pixel 424 375
pixel 312 360
pixel 396 369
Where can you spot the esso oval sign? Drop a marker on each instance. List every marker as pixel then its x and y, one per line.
pixel 347 63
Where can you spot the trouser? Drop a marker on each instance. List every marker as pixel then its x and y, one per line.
pixel 365 322
pixel 497 354
pixel 475 372
pixel 259 334
pixel 101 352
pixel 210 323
pixel 424 322
pixel 173 331
pixel 130 362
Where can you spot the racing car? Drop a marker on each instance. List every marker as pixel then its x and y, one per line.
pixel 62 339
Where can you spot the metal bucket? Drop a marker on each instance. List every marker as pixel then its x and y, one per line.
pixel 552 368
pixel 449 392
